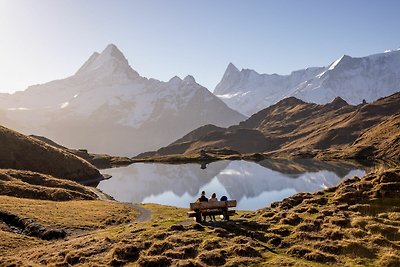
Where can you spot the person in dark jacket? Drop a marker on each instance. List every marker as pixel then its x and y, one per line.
pixel 203 198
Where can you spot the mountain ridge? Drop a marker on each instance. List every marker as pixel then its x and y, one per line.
pixel 353 78
pixel 107 107
pixel 292 127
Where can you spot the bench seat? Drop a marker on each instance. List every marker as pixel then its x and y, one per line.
pixel 199 209
pixel 211 212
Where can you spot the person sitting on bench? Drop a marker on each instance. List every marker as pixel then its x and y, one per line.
pixel 224 211
pixel 211 199
pixel 203 198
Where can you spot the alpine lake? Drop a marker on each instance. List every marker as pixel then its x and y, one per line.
pixel 253 184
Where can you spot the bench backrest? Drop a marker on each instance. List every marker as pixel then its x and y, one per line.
pixel 212 205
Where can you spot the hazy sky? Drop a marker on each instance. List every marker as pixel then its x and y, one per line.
pixel 43 40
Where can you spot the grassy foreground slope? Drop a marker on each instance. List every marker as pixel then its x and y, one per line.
pixel 75 218
pixel 356 223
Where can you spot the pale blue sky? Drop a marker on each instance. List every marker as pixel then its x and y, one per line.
pixel 43 40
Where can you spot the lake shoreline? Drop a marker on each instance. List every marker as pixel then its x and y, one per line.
pixel 253 184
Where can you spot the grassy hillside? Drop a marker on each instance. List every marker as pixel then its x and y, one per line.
pixel 382 141
pixel 101 161
pixel 33 185
pixel 24 153
pixel 293 128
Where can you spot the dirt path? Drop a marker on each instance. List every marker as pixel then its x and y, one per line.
pixel 144 214
pixel 100 194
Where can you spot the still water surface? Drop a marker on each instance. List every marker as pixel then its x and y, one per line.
pixel 253 185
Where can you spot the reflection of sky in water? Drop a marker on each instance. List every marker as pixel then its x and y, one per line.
pixel 253 185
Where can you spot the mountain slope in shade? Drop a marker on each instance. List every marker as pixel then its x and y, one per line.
pixel 107 107
pixel 21 152
pixel 293 126
pixel 353 79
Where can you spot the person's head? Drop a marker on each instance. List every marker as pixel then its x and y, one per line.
pixel 203 193
pixel 214 195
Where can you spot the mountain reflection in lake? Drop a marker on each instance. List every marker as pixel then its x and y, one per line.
pixel 253 185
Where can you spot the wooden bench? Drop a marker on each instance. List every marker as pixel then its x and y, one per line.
pixel 199 209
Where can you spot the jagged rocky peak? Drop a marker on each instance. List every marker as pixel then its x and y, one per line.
pixel 111 59
pixel 290 101
pixel 352 78
pixel 338 101
pixel 189 79
pixel 343 60
pixel 231 70
pixel 230 78
pixel 336 104
pixel 112 51
pixel 175 80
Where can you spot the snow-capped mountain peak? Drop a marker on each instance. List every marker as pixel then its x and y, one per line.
pixel 107 107
pixel 352 78
pixel 110 61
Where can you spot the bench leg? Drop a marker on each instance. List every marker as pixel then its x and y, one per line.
pixel 198 217
pixel 226 215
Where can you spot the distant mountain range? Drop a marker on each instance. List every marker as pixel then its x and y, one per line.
pixel 353 79
pixel 108 107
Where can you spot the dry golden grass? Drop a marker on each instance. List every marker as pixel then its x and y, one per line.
pixel 328 228
pixel 74 215
pixel 22 152
pixel 27 184
pixel 355 225
pixel 383 139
